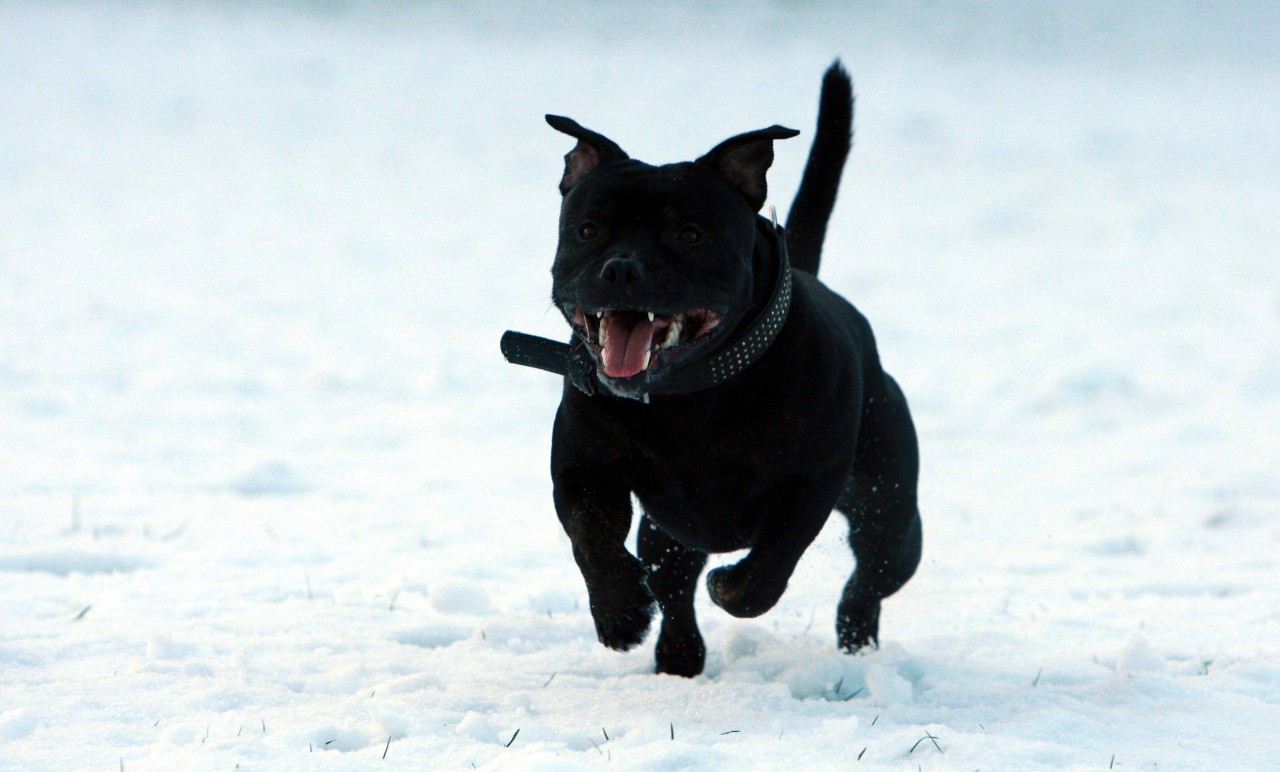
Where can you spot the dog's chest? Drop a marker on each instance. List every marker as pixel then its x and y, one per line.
pixel 702 483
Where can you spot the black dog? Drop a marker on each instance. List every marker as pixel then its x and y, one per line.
pixel 734 394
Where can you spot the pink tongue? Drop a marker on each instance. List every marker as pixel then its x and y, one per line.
pixel 625 346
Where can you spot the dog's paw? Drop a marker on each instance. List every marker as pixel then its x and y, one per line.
pixel 622 609
pixel 858 625
pixel 623 627
pixel 741 592
pixel 680 655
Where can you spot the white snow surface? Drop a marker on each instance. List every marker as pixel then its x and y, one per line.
pixel 270 498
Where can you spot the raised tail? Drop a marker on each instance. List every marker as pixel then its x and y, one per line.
pixel 807 221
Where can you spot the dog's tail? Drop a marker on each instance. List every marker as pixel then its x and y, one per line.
pixel 807 221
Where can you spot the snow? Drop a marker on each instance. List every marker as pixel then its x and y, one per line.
pixel 269 497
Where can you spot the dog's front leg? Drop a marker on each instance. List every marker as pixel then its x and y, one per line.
pixel 754 584
pixel 596 515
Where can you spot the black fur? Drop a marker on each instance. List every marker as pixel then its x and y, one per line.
pixel 757 462
pixel 807 221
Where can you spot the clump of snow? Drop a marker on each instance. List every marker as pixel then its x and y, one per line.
pixel 17 724
pixel 343 739
pixel 887 686
pixel 1137 656
pixel 746 640
pixel 455 596
pixel 69 560
pixel 179 735
pixel 274 479
pixel 162 646
pixel 432 636
pixel 477 727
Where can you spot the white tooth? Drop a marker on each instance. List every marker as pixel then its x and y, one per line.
pixel 651 316
pixel 604 331
pixel 645 364
pixel 599 314
pixel 673 335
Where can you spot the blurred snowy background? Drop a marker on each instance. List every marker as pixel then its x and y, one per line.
pixel 268 489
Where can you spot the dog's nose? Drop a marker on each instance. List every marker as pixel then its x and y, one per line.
pixel 622 270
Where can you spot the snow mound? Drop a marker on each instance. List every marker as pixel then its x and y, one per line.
pixel 273 479
pixel 69 560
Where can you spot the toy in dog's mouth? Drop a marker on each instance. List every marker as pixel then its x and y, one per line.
pixel 627 343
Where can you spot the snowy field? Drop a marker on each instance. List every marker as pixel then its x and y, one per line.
pixel 270 498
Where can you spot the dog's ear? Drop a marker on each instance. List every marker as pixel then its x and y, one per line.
pixel 592 150
pixel 744 159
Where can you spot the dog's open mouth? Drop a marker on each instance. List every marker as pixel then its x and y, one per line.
pixel 628 343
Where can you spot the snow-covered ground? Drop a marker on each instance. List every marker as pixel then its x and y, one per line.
pixel 269 496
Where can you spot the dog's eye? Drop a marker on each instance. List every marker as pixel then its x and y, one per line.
pixel 588 232
pixel 690 235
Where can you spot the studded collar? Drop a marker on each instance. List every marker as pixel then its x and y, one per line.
pixel 572 360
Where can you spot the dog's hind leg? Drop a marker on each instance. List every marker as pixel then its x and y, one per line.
pixel 673 571
pixel 879 500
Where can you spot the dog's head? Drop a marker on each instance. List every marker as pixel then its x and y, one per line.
pixel 654 263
